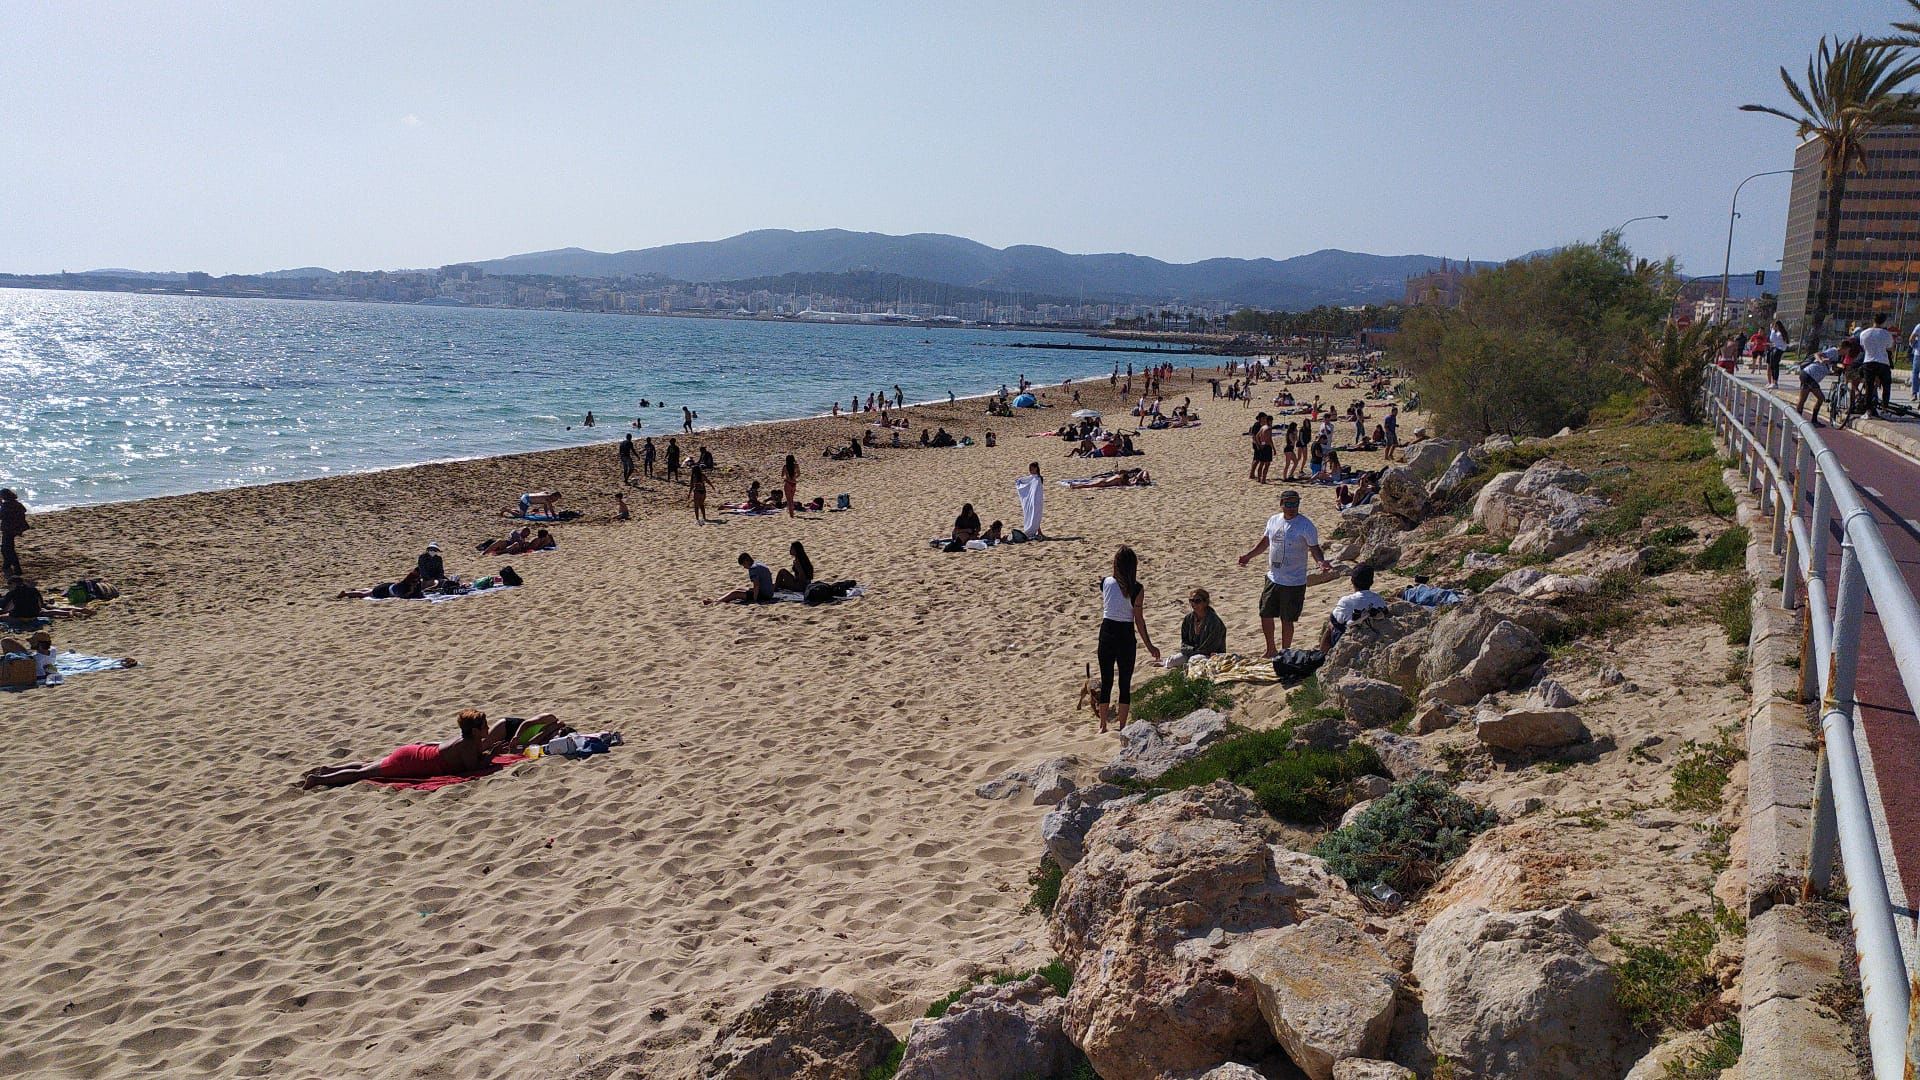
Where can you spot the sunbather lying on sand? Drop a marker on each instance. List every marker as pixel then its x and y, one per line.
pixel 469 752
pixel 1120 478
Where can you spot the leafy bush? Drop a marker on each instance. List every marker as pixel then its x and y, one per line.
pixel 886 1069
pixel 1293 784
pixel 1728 550
pixel 1734 607
pixel 1044 882
pixel 1667 984
pixel 1673 365
pixel 1720 1054
pixel 1174 695
pixel 1661 559
pixel 1671 535
pixel 1406 837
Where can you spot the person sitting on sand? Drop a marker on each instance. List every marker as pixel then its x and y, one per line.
pixel 467 753
pixel 995 533
pixel 1360 494
pixel 1360 604
pixel 23 606
pixel 798 578
pixel 966 526
pixel 753 497
pixel 867 439
pixel 620 511
pixel 431 567
pixel 759 588
pixel 1202 633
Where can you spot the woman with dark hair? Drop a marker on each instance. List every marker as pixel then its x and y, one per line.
pixel 967 525
pixel 790 480
pixel 697 493
pixel 468 752
pixel 1122 614
pixel 801 576
pixel 1776 348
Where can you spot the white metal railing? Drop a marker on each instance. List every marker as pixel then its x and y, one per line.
pixel 1786 462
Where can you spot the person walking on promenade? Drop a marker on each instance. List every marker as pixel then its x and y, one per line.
pixel 1776 349
pixel 1288 540
pixel 1122 614
pixel 626 459
pixel 790 482
pixel 1876 365
pixel 13 522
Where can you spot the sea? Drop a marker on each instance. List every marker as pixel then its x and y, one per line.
pixel 113 396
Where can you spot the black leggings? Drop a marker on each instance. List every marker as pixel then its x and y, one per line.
pixel 1773 364
pixel 1117 650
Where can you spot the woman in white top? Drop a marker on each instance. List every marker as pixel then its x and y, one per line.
pixel 1122 611
pixel 1776 348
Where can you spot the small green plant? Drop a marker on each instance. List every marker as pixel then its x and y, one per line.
pixel 1043 882
pixel 886 1069
pixel 1672 535
pixel 1174 695
pixel 1480 579
pixel 1662 558
pixel 1700 772
pixel 1734 608
pixel 1718 498
pixel 1298 784
pixel 1726 552
pixel 1723 1052
pixel 1666 984
pixel 1406 837
pixel 1056 972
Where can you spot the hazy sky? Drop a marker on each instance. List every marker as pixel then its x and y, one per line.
pixel 251 136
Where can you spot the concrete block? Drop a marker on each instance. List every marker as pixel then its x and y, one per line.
pixel 1792 1039
pixel 1776 855
pixel 1780 775
pixel 1779 724
pixel 1788 956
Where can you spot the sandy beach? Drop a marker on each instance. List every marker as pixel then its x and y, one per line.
pixel 794 805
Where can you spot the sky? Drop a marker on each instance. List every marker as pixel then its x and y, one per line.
pixel 243 137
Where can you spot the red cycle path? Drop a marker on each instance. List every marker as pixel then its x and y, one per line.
pixel 1889 486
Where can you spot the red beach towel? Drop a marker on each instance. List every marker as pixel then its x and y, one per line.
pixel 435 783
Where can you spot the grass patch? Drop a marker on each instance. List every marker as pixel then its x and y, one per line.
pixel 1057 974
pixel 1727 552
pixel 1662 558
pixel 1174 695
pixel 1734 608
pixel 1043 883
pixel 1701 770
pixel 1722 1053
pixel 1602 611
pixel 1480 579
pixel 1405 838
pixel 886 1069
pixel 1301 785
pixel 1672 535
pixel 1666 984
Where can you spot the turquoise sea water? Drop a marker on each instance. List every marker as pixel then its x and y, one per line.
pixel 112 396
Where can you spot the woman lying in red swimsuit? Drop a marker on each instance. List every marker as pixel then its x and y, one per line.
pixel 470 752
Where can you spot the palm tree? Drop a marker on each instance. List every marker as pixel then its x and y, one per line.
pixel 1852 87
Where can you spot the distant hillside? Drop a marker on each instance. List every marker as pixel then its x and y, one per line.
pixel 1323 277
pixel 873 287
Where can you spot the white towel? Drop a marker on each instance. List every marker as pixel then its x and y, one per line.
pixel 1033 499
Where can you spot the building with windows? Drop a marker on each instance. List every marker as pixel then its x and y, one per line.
pixel 1875 269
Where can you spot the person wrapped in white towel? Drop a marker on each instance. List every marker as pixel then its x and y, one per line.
pixel 1032 489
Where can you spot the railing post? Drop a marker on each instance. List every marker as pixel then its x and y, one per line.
pixel 1842 665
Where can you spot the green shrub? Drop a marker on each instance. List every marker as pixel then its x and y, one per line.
pixel 1666 984
pixel 1662 559
pixel 1044 883
pixel 1406 837
pixel 1480 579
pixel 1174 695
pixel 1056 972
pixel 1718 498
pixel 1734 608
pixel 886 1069
pixel 1700 772
pixel 1671 535
pixel 1293 784
pixel 1720 1054
pixel 1728 550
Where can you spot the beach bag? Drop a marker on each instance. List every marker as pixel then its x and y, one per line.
pixel 1016 537
pixel 77 594
pixel 820 592
pixel 1294 665
pixel 16 670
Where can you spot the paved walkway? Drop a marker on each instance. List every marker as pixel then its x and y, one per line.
pixel 1886 728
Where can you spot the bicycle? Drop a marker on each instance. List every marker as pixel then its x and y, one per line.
pixel 1841 401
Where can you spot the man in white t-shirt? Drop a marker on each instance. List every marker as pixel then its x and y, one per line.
pixel 1876 367
pixel 1288 540
pixel 1358 604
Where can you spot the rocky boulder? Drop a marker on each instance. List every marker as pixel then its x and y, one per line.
pixel 1325 988
pixel 992 1033
pixel 1549 694
pixel 1064 829
pixel 1363 1069
pixel 1458 472
pixel 1497 508
pixel 1404 757
pixel 1524 729
pixel 1519 994
pixel 1430 458
pixel 1137 919
pixel 1560 586
pixel 1516 581
pixel 1153 749
pixel 793 1034
pixel 1506 654
pixel 1368 703
pixel 1402 494
pixel 1052 780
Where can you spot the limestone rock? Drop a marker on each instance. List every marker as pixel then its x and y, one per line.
pixel 1004 788
pixel 1519 994
pixel 1549 694
pixel 1496 507
pixel 1324 987
pixel 1632 563
pixel 1378 554
pixel 1428 459
pixel 1353 812
pixel 1149 996
pixel 1232 1070
pixel 1435 716
pixel 1369 703
pixel 1548 473
pixel 1064 829
pixel 1557 586
pixel 1403 756
pixel 1507 652
pixel 1152 749
pixel 1402 494
pixel 1682 1050
pixel 992 1032
pixel 1369 787
pixel 1362 1069
pixel 1052 780
pixel 1462 467
pixel 1323 733
pixel 793 1034
pixel 1528 729
pixel 1515 581
pixel 1547 540
pixel 1474 561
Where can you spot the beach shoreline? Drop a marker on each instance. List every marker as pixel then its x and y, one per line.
pixel 794 806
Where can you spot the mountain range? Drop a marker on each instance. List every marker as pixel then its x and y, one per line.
pixel 1330 276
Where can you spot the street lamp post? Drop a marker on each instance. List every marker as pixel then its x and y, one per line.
pixel 1732 213
pixel 1622 227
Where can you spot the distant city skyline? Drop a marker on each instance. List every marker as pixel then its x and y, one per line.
pixel 199 136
